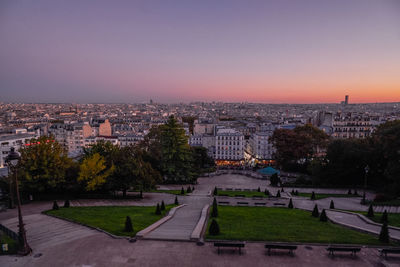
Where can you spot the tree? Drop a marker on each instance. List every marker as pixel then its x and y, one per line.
pixel 158 210
pixel 128 224
pixel 370 211
pixel 66 204
pixel 384 234
pixel 55 205
pixel 215 193
pixel 162 205
pixel 93 172
pixel 323 217
pixel 266 192
pixel 176 200
pixel 43 165
pixel 384 218
pixel 275 179
pixel 258 189
pixel 282 190
pixel 214 212
pixel 312 195
pixel 201 161
pixel 349 192
pixel 189 189
pixel 290 206
pixel 214 228
pixel 278 194
pixel 182 191
pixel 332 205
pixel 315 212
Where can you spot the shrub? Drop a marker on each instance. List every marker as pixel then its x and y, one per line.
pixel 332 205
pixel 355 192
pixel 141 194
pixel 215 191
pixel 278 194
pixel 282 190
pixel 266 192
pixel 176 200
pixel 315 212
pixel 296 193
pixel 349 192
pixel 189 189
pixel 274 180
pixel 290 206
pixel 67 204
pixel 313 195
pixel 55 205
pixel 293 193
pixel 214 212
pixel 258 189
pixel 370 211
pixel 380 198
pixel 128 224
pixel 323 217
pixel 214 228
pixel 158 210
pixel 182 191
pixel 384 234
pixel 162 205
pixel 384 218
pixel 192 188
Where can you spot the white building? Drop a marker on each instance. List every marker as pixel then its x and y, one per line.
pixel 259 147
pixel 229 145
pixel 130 139
pixel 71 136
pixel 13 140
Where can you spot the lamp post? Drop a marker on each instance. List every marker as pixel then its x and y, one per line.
pixel 366 170
pixel 12 161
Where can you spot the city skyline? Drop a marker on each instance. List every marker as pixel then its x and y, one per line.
pixel 230 51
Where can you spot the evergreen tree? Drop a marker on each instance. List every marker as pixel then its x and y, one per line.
pixel 189 190
pixel 214 228
pixel 384 234
pixel 282 190
pixel 290 206
pixel 182 191
pixel 297 193
pixel 315 212
pixel 214 212
pixel 176 200
pixel 323 217
pixel 274 180
pixel 162 205
pixel 266 192
pixel 278 194
pixel 258 190
pixel 141 194
pixel 370 211
pixel 215 191
pixel 66 204
pixel 293 193
pixel 332 205
pixel 55 205
pixel 158 210
pixel 384 218
pixel 349 192
pixel 355 192
pixel 128 224
pixel 192 188
pixel 313 195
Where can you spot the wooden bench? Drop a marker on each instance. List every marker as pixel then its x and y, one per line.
pixel 280 246
pixel 240 196
pixel 238 189
pixel 353 250
pixel 279 204
pixel 260 203
pixel 223 202
pixel 238 245
pixel 385 251
pixel 242 203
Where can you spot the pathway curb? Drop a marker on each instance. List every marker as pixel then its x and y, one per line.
pixel 198 230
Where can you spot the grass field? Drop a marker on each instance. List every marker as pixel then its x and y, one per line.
pixel 174 192
pixel 230 193
pixel 321 196
pixel 112 218
pixel 282 224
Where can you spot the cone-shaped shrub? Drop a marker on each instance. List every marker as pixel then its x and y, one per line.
pixel 282 190
pixel 315 212
pixel 323 217
pixel 313 195
pixel 215 191
pixel 162 205
pixel 297 193
pixel 176 200
pixel 67 204
pixel 293 193
pixel 192 188
pixel 290 206
pixel 214 212
pixel 259 189
pixel 214 228
pixel 128 224
pixel 55 205
pixel 349 192
pixel 266 192
pixel 384 234
pixel 189 189
pixel 384 218
pixel 370 211
pixel 182 191
pixel 158 210
pixel 332 205
pixel 141 194
pixel 355 192
pixel 278 194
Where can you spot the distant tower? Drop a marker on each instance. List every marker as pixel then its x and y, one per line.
pixel 151 101
pixel 346 100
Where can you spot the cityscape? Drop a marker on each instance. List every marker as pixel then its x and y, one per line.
pixel 200 133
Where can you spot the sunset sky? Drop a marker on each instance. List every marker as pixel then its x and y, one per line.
pixel 171 51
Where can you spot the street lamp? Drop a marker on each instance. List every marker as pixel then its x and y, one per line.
pixel 366 170
pixel 12 161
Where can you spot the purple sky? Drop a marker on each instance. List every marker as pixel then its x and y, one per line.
pixel 171 51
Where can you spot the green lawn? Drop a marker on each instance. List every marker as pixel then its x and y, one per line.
pixel 231 193
pixel 174 192
pixel 394 202
pixel 394 218
pixel 12 244
pixel 321 196
pixel 282 224
pixel 112 218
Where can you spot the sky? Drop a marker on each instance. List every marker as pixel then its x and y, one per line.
pixel 309 51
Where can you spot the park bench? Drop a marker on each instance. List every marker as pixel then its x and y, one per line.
pixel 281 247
pixel 247 189
pixel 229 189
pixel 279 204
pixel 240 196
pixel 238 189
pixel 223 195
pixel 353 250
pixel 223 202
pixel 242 203
pixel 385 251
pixel 260 203
pixel 257 197
pixel 238 245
